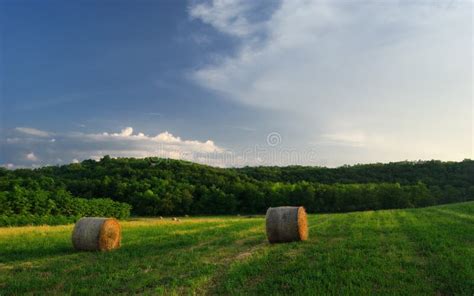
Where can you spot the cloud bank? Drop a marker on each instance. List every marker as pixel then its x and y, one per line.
pixel 26 147
pixel 392 78
pixel 32 132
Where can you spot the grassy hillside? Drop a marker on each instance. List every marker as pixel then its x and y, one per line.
pixel 416 251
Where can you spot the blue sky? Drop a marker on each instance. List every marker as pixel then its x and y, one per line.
pixel 330 82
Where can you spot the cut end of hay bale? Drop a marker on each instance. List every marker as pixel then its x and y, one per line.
pixel 286 224
pixel 94 234
pixel 302 224
pixel 110 235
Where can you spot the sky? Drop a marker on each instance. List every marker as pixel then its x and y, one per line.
pixel 234 83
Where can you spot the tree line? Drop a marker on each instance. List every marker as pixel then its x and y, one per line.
pixel 154 186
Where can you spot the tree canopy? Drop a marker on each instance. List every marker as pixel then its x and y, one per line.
pixel 155 186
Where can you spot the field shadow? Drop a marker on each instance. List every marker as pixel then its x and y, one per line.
pixel 35 253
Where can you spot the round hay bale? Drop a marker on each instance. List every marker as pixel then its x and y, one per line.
pixel 286 224
pixel 96 234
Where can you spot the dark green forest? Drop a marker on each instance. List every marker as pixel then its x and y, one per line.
pixel 154 186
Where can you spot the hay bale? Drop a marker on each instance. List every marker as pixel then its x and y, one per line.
pixel 286 224
pixel 94 234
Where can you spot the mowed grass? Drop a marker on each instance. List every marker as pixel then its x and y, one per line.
pixel 426 251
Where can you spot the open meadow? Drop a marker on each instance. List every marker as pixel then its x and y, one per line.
pixel 426 251
pixel 233 147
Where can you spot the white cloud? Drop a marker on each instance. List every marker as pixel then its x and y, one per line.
pixel 31 156
pixel 163 141
pixel 128 131
pixel 33 131
pixel 126 143
pixel 397 71
pixel 355 139
pixel 227 16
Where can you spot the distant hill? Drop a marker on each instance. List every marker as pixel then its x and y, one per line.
pixel 154 186
pixel 433 172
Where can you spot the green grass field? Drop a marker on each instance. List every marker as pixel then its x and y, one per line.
pixel 426 251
